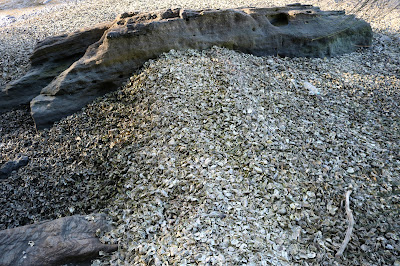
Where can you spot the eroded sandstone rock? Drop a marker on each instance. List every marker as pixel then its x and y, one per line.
pixel 57 242
pixel 50 58
pixel 134 38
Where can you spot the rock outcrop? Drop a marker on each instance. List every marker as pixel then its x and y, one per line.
pixel 134 38
pixel 49 59
pixel 65 240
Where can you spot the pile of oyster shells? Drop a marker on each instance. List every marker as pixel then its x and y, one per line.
pixel 219 157
pixel 230 158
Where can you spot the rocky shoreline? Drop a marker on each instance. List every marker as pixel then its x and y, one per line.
pixel 71 70
pixel 158 157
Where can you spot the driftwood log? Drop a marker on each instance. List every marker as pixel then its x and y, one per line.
pixel 65 240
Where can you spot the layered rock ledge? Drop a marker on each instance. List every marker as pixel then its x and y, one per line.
pixel 133 38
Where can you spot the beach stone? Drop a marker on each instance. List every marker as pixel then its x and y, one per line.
pixel 7 168
pixel 133 38
pixel 65 240
pixel 50 58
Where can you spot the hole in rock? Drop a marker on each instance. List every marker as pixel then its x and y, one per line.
pixel 280 19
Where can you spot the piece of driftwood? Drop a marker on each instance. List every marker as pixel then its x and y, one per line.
pixel 349 228
pixel 65 240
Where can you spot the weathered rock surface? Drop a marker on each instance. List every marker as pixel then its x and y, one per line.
pixel 50 58
pixel 65 240
pixel 134 38
pixel 7 168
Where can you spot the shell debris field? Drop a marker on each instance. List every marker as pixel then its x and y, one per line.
pixel 229 159
pixel 223 157
pixel 218 157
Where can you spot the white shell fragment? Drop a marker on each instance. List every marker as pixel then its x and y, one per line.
pixel 312 90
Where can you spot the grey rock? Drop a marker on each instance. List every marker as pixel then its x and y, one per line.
pixel 134 38
pixel 296 30
pixel 7 168
pixel 65 240
pixel 49 59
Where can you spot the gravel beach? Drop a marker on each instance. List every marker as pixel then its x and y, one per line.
pixel 216 157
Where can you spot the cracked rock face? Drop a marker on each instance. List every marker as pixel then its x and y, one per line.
pixel 133 38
